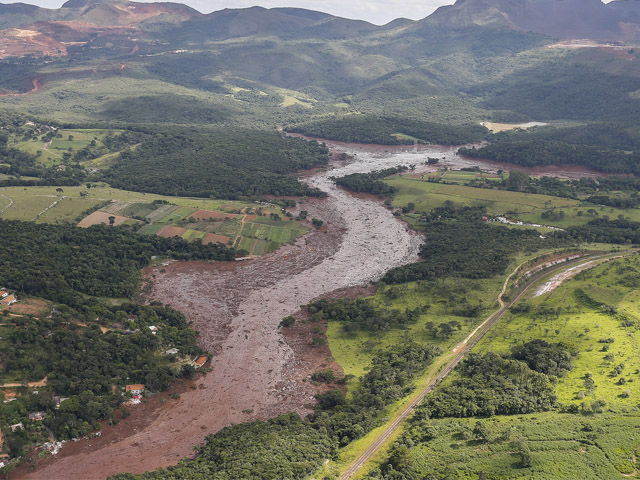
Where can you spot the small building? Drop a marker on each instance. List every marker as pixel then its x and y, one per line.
pixel 171 351
pixel 16 427
pixel 135 388
pixel 58 400
pixel 153 329
pixel 37 416
pixel 200 361
pixel 8 299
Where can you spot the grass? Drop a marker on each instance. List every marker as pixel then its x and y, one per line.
pixel 428 195
pixel 582 327
pixel 50 154
pixel 29 201
pixel 562 446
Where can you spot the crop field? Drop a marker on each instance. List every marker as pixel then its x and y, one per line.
pixel 97 218
pixel 598 337
pixel 29 201
pixel 598 447
pixel 19 203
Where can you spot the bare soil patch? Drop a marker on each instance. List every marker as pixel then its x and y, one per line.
pixel 214 238
pixel 31 306
pixel 169 231
pixel 97 218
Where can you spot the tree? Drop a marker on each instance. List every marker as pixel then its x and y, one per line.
pixel 59 190
pixel 481 432
pixel 112 220
pixel 525 453
pixel 517 180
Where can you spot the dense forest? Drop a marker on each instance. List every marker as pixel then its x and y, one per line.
pixel 491 385
pixel 370 182
pixel 221 163
pixel 288 447
pixel 59 261
pixel 604 147
pixel 460 244
pixel 386 130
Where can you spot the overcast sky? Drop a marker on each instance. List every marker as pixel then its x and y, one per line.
pixel 375 11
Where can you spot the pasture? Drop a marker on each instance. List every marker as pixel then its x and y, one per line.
pixel 50 152
pixel 429 195
pixel 600 339
pixel 597 446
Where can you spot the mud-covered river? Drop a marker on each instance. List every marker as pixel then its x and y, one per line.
pixel 237 307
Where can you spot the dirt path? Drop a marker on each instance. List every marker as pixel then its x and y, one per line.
pixel 392 428
pixel 41 383
pixel 236 307
pixel 48 208
pixel 8 206
pixel 242 222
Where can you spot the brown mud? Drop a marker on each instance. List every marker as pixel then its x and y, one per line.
pixel 448 156
pixel 257 372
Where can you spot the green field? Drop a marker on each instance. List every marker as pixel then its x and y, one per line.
pixel 582 328
pixel 428 195
pixel 355 350
pixel 49 152
pixel 563 446
pixel 258 237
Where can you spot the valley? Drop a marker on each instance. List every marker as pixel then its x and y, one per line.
pixel 275 243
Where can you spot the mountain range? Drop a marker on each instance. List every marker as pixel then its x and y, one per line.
pixel 31 30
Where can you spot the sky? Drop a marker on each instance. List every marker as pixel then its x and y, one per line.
pixel 374 11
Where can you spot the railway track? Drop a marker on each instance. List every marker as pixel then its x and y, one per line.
pixel 484 329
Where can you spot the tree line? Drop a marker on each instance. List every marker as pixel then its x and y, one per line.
pixel 59 262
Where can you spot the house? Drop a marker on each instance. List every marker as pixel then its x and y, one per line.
pixel 8 299
pixel 171 351
pixel 37 416
pixel 3 293
pixel 58 400
pixel 153 329
pixel 136 390
pixel 17 426
pixel 200 361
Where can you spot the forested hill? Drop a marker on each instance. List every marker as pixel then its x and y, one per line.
pixel 389 130
pixel 221 163
pixel 604 147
